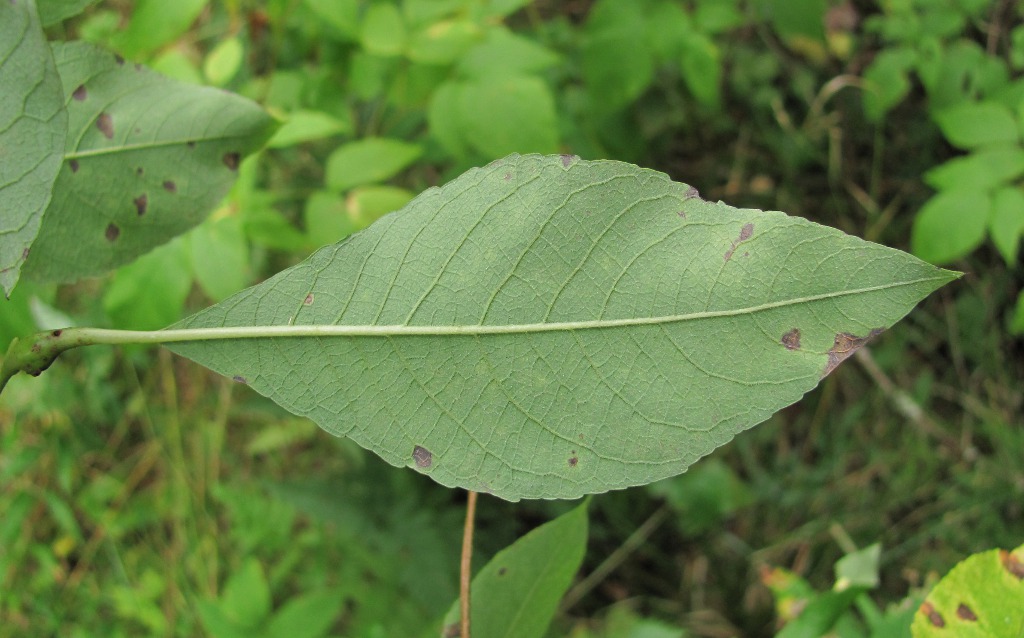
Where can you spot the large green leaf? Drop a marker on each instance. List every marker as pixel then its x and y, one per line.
pixel 32 130
pixel 516 594
pixel 546 327
pixel 146 159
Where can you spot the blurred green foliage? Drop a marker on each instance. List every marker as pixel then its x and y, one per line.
pixel 141 496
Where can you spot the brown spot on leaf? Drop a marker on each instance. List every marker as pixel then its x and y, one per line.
pixel 191 144
pixel 567 160
pixel 105 124
pixel 138 67
pixel 422 456
pixel 73 164
pixel 933 615
pixel 502 571
pixel 692 193
pixel 139 171
pixel 966 613
pixel 573 461
pixel 112 232
pixel 140 204
pixel 231 160
pixel 452 631
pixel 80 93
pixel 844 346
pixel 239 379
pixel 792 339
pixel 508 176
pixel 56 333
pixel 745 233
pixel 170 187
pixel 682 214
pixel 308 301
pixel 1012 563
pixel 118 59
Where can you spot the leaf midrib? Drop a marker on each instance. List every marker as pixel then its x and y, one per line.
pixel 330 330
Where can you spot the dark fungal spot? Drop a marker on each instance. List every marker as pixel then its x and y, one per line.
pixel 567 160
pixel 190 143
pixel 80 93
pixel 573 461
pixel 112 232
pixel 170 187
pixel 139 171
pixel 24 253
pixel 932 614
pixel 141 202
pixel 422 456
pixel 138 67
pixel 73 164
pixel 308 301
pixel 745 234
pixel 56 333
pixel 231 160
pixel 682 214
pixel 792 339
pixel 239 379
pixel 118 59
pixel 137 130
pixel 502 571
pixel 105 124
pixel 1012 563
pixel 843 347
pixel 966 613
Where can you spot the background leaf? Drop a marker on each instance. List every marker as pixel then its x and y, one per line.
pixel 585 326
pixel 32 129
pixel 53 11
pixel 515 595
pixel 146 159
pixel 980 597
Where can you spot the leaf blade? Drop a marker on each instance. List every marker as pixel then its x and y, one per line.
pixel 32 129
pixel 147 159
pixel 546 327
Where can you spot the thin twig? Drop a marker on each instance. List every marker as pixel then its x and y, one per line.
pixel 619 556
pixel 467 560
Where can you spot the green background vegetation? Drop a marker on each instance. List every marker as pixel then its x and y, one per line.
pixel 142 495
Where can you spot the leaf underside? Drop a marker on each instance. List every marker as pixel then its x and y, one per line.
pixel 596 326
pixel 146 158
pixel 32 129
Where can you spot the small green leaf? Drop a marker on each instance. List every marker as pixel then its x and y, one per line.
pixel 341 15
pixel 970 125
pixel 443 42
pixel 701 68
pixel 53 11
pixel 148 158
pixel 886 81
pixel 613 79
pixel 1017 321
pixel 327 219
pixel 516 594
pixel 980 597
pixel 223 62
pixel 33 124
pixel 366 204
pixel 1007 223
pixel 151 291
pixel 246 596
pixel 307 616
pixel 950 225
pixel 220 256
pixel 982 170
pixel 155 23
pixel 368 160
pixel 859 568
pixel 383 30
pixel 609 321
pixel 505 53
pixel 821 614
pixel 503 115
pixel 305 126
